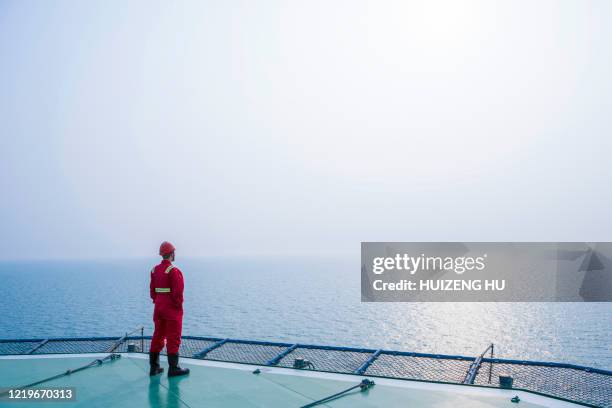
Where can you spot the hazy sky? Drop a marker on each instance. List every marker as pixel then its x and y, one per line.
pixel 301 126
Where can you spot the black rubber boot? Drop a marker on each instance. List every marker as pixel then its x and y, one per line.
pixel 154 363
pixel 174 370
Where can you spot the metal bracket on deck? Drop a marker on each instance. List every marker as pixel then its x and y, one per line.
pixel 282 355
pixel 210 348
pixel 39 345
pixel 368 362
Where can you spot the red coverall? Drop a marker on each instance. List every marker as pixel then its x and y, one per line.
pixel 167 294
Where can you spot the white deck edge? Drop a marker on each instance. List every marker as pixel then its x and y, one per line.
pixel 349 378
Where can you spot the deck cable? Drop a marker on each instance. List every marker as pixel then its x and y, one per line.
pixel 97 362
pixel 364 385
pixel 286 387
pixel 94 363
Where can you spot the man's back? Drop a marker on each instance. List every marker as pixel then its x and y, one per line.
pixel 166 290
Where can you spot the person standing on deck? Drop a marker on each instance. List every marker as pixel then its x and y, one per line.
pixel 166 290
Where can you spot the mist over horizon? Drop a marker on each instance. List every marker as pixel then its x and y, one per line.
pixel 234 128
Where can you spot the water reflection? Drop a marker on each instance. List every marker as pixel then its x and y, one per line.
pixel 161 395
pixel 293 300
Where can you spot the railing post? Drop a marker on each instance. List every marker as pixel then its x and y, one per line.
pixel 282 355
pixel 210 348
pixel 491 363
pixel 368 363
pixel 470 376
pixel 39 345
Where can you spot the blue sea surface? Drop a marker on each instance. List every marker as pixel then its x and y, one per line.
pixel 291 299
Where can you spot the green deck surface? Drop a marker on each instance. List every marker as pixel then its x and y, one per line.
pixel 125 383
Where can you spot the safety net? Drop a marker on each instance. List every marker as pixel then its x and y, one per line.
pixel 584 385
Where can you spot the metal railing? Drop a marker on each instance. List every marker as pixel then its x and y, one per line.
pixel 585 385
pixel 472 372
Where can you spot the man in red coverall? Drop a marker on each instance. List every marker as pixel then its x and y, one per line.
pixel 167 294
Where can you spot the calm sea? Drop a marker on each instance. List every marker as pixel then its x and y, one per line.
pixel 293 300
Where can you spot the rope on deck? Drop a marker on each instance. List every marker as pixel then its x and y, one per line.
pixel 364 385
pixel 96 362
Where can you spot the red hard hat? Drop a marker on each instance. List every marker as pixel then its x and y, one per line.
pixel 166 248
